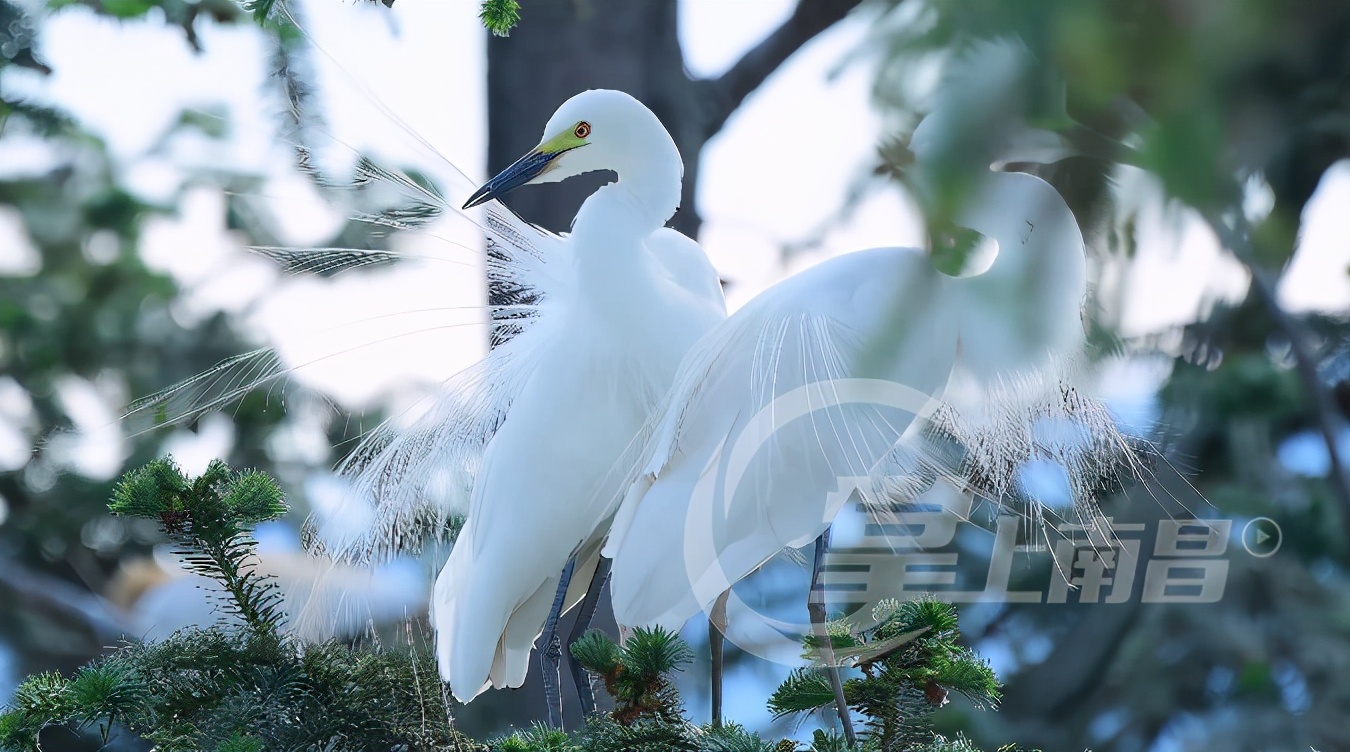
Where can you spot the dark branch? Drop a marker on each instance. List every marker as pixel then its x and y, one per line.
pixel 808 19
pixel 1238 242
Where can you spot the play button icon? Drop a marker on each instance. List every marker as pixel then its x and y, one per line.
pixel 1262 537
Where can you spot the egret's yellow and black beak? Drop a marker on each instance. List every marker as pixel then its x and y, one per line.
pixel 527 168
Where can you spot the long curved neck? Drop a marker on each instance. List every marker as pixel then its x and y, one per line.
pixel 613 264
pixel 1038 236
pixel 614 268
pixel 1028 303
pixel 613 222
pixel 654 178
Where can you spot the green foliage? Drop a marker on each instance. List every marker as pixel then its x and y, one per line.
pixel 657 734
pixel 732 737
pixel 959 744
pixel 500 16
pixel 240 743
pixel 230 689
pixel 243 690
pixel 804 691
pixel 637 674
pixel 537 738
pixel 909 661
pixel 208 519
pixel 828 741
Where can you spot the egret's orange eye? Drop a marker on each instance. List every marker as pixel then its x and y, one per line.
pixel 582 130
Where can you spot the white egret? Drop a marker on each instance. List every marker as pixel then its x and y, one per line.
pixel 534 442
pixel 593 366
pixel 817 380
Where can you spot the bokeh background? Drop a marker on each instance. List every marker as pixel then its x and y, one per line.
pixel 145 144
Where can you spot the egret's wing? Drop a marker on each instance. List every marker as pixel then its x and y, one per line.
pixel 687 264
pixel 773 417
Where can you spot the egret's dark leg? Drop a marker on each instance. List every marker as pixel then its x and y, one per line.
pixel 717 625
pixel 551 653
pixel 815 606
pixel 580 677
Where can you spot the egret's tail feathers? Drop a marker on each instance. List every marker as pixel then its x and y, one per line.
pixel 485 632
pixel 511 661
pixel 468 625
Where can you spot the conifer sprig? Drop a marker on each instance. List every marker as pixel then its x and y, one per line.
pixel 637 675
pixel 498 16
pixel 209 520
pixel 910 660
pixel 225 689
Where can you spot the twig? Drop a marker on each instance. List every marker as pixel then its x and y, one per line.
pixel 816 609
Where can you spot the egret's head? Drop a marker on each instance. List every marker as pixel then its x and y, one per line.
pixel 598 129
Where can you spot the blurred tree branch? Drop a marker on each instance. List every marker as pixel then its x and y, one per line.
pixel 729 90
pixel 71 604
pixel 1236 237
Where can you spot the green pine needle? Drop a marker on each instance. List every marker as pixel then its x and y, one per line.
pixel 17 731
pixel 597 653
pixel 909 661
pixel 45 696
pixel 240 743
pixel 500 16
pixel 648 733
pixel 254 497
pixel 261 9
pixel 828 741
pixel 652 652
pixel 965 672
pixel 538 738
pixel 937 616
pixel 732 737
pixel 959 744
pixel 151 491
pixel 804 691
